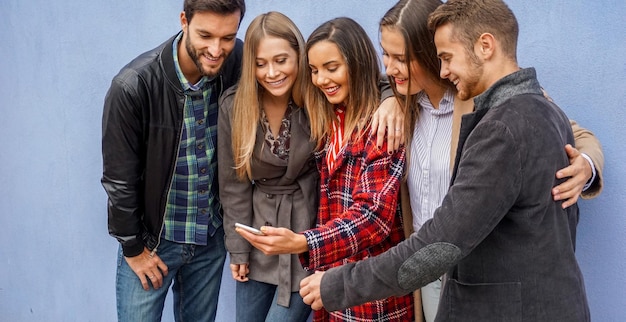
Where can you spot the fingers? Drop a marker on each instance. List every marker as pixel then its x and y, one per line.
pixel 276 240
pixel 388 123
pixel 243 272
pixel 577 173
pixel 571 151
pixel 240 272
pixel 569 202
pixel 162 267
pixel 311 298
pixel 566 194
pixel 317 304
pixel 577 163
pixel 157 272
pixel 156 279
pixel 234 270
pixel 305 292
pixel 570 190
pixel 394 134
pixel 374 126
pixel 310 291
pixel 144 282
pixel 379 129
pixel 247 235
pixel 149 268
pixel 399 129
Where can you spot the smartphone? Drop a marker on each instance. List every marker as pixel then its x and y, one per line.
pixel 250 229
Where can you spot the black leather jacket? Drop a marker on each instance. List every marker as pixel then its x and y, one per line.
pixel 141 127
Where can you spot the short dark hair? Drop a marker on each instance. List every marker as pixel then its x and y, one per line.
pixel 471 18
pixel 190 7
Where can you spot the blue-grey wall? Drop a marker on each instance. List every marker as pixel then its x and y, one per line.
pixel 57 262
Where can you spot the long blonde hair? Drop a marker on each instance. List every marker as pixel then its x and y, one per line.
pixel 247 104
pixel 363 77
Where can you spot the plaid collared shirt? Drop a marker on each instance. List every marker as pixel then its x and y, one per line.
pixel 193 211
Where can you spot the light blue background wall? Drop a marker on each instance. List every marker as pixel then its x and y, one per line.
pixel 57 262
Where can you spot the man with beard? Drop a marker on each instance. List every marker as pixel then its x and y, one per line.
pixel 507 248
pixel 160 165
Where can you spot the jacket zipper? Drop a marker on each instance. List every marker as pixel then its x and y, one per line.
pixel 169 189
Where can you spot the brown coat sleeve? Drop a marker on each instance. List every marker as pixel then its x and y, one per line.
pixel 588 144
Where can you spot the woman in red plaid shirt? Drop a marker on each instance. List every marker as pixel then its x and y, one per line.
pixel 358 215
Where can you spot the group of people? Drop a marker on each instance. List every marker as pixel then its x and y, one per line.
pixel 444 191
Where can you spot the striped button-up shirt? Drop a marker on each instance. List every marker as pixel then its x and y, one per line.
pixel 429 164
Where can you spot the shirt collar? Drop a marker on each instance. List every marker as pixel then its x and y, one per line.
pixel 446 104
pixel 523 81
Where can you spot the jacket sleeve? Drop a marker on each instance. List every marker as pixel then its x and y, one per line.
pixel 371 217
pixel 123 161
pixel 385 88
pixel 587 143
pixel 468 214
pixel 235 194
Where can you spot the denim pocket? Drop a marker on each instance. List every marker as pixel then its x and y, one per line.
pixel 120 256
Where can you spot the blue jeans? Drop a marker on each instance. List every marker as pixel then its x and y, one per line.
pixel 196 272
pixel 256 301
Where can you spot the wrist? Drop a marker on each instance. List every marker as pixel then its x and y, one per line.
pixel 302 244
pixel 593 171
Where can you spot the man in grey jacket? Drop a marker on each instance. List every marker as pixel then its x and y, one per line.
pixel 506 246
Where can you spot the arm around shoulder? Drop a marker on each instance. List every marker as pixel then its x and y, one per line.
pixel 587 143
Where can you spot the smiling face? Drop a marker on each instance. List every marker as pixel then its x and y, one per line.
pixel 396 66
pixel 276 66
pixel 329 71
pixel 208 40
pixel 465 71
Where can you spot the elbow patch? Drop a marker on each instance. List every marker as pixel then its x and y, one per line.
pixel 427 264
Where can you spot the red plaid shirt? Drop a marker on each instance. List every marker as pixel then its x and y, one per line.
pixel 358 217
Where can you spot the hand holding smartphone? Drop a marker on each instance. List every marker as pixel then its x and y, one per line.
pixel 250 229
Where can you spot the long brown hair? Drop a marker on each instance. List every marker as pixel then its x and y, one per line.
pixel 363 78
pixel 247 106
pixel 410 19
